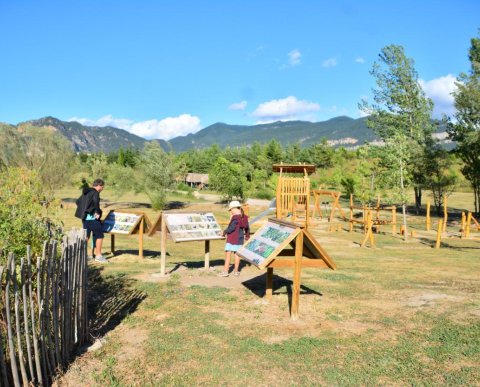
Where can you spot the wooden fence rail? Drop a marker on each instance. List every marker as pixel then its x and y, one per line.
pixel 44 311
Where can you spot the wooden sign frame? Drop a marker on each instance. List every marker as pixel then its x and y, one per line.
pixel 165 232
pixel 156 226
pixel 135 226
pixel 298 249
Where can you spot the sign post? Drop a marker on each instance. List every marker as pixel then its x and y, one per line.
pixel 128 223
pixel 275 244
pixel 186 227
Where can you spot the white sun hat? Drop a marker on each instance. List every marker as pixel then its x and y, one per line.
pixel 234 204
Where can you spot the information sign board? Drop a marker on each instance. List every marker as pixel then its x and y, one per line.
pixel 267 242
pixel 121 222
pixel 192 227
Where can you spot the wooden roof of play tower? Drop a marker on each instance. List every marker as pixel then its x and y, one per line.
pixel 294 168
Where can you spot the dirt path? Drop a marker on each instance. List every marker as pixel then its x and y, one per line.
pixel 218 198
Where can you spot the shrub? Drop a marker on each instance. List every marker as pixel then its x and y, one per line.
pixel 23 213
pixel 265 194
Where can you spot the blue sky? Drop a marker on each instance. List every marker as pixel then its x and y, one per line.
pixel 165 68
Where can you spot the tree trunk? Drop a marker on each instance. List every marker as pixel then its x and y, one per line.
pixel 404 205
pixel 476 194
pixel 418 199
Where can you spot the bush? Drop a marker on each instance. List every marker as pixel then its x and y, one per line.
pixel 264 193
pixel 23 218
pixel 184 187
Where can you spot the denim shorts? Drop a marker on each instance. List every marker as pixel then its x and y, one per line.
pixel 230 247
pixel 93 227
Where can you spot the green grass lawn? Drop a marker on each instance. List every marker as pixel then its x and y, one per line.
pixel 401 313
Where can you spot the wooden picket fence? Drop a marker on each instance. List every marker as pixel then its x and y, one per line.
pixel 44 311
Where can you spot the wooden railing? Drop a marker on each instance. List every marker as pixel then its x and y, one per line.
pixel 44 311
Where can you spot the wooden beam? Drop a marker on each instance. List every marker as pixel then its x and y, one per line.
pixel 306 262
pixel 296 275
pixel 269 289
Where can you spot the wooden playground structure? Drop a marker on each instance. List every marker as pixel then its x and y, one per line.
pixel 372 218
pixel 293 193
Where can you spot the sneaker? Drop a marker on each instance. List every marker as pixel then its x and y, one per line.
pixel 236 273
pixel 101 259
pixel 90 257
pixel 223 274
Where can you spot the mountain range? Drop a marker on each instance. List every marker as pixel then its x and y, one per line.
pixel 338 131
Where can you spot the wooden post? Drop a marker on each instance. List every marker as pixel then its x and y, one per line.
pixel 207 254
pixel 269 290
pixel 394 220
pixel 439 234
pixel 307 199
pixel 467 226
pixel 112 243
pixel 351 215
pixel 140 237
pixel 445 213
pixel 296 275
pixel 462 226
pixel 163 246
pixel 280 204
pixel 368 231
pixel 428 225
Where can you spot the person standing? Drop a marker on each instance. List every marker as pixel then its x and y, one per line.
pixel 237 232
pixel 88 209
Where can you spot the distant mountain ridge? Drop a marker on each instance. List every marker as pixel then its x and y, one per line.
pixel 338 131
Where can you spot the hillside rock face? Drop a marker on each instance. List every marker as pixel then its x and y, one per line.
pixel 90 139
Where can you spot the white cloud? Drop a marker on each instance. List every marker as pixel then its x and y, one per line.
pixel 294 57
pixel 286 109
pixel 108 120
pixel 363 113
pixel 330 62
pixel 440 91
pixel 359 60
pixel 167 128
pixel 238 105
pixel 164 129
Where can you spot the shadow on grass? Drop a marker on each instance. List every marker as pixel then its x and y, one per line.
pixel 257 286
pixel 110 300
pixel 146 253
pixel 123 205
pixel 201 264
pixel 444 245
pixel 175 205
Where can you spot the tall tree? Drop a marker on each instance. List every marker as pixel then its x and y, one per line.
pixel 227 178
pixel 159 170
pixel 400 112
pixel 465 127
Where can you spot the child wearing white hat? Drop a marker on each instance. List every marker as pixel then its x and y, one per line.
pixel 237 232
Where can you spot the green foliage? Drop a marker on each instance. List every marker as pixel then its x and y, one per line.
pixel 121 179
pixel 348 184
pixel 228 179
pixel 40 150
pixel 158 169
pixel 265 193
pixel 274 151
pixel 401 112
pixel 22 220
pixel 465 129
pixel 440 178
